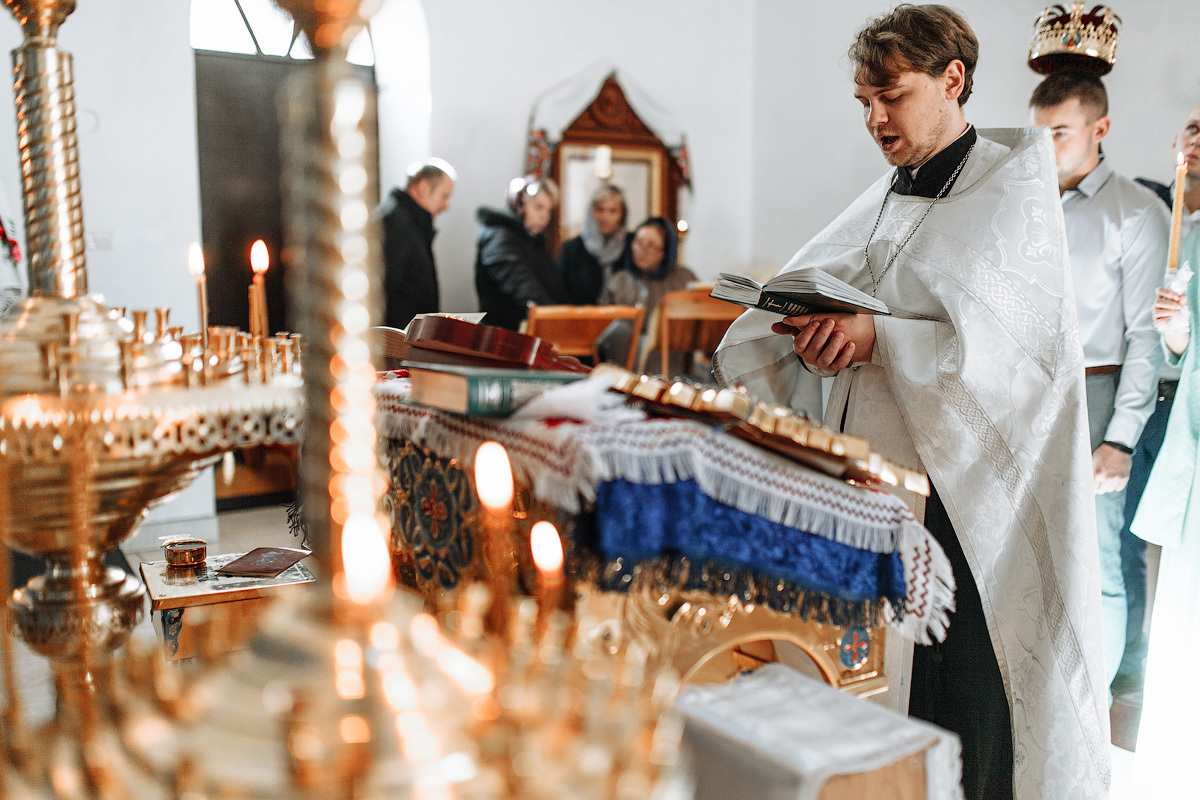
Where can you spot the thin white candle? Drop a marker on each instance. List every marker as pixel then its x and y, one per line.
pixel 196 268
pixel 1177 215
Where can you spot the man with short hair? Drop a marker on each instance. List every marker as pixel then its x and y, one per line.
pixel 410 282
pixel 976 378
pixel 1117 236
pixel 1130 673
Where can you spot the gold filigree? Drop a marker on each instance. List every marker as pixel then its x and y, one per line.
pixel 769 425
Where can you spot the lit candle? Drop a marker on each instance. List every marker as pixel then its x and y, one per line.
pixel 366 563
pixel 1177 215
pixel 547 550
pixel 494 486
pixel 196 267
pixel 260 260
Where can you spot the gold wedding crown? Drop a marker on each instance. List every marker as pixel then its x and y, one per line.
pixel 1075 39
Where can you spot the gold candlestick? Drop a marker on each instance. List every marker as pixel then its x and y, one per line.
pixel 97 421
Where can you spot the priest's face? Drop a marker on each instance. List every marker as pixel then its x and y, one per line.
pixel 914 116
pixel 1187 143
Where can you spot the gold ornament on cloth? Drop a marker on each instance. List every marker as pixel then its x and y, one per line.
pixel 1076 39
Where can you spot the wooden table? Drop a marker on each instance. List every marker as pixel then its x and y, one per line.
pixel 222 609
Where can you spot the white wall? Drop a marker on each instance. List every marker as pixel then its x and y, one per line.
pixel 136 98
pixel 812 154
pixel 401 37
pixel 491 59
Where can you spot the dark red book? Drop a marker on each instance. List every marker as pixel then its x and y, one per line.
pixel 263 562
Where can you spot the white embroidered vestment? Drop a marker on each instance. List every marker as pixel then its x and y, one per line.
pixel 977 379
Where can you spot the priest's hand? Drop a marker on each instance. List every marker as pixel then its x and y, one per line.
pixel 1110 469
pixel 830 341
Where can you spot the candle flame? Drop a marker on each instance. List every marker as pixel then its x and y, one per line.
pixel 494 477
pixel 27 411
pixel 547 547
pixel 195 260
pixel 260 259
pixel 365 559
pixel 1179 158
pixel 682 226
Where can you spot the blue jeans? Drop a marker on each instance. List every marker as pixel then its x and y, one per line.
pixel 1133 549
pixel 1110 518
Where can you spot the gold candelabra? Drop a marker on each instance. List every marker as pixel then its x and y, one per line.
pixel 102 416
pixel 349 690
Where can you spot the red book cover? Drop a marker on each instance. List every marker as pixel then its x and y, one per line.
pixel 263 562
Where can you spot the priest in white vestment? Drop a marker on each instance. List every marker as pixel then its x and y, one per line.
pixel 976 378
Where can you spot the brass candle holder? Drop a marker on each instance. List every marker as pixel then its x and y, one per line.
pixel 101 417
pixel 333 699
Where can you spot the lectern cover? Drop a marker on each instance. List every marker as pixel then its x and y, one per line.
pixel 776 734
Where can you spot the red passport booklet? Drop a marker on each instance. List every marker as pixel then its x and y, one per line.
pixel 263 562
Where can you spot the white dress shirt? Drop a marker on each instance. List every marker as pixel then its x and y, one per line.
pixel 1117 235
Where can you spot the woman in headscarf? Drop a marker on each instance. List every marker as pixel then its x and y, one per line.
pixel 648 268
pixel 587 261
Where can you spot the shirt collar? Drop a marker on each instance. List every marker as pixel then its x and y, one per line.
pixel 930 178
pixel 1094 180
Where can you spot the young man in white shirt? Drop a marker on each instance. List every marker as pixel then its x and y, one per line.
pixel 1117 242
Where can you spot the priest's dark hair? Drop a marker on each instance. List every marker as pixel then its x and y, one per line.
pixel 1059 87
pixel 921 38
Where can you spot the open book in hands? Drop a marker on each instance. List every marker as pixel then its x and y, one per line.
pixel 801 291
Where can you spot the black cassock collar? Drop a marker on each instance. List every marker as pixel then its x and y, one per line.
pixel 931 176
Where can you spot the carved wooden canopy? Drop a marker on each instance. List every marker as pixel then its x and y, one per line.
pixel 610 120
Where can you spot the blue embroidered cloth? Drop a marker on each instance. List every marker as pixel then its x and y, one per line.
pixel 735 552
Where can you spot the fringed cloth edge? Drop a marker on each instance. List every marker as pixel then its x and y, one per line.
pixel 563 462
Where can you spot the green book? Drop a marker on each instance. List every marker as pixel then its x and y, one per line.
pixel 482 391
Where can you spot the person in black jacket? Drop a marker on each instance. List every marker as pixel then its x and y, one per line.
pixel 589 259
pixel 410 282
pixel 512 266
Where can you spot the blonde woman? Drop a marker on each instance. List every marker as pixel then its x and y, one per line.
pixel 513 267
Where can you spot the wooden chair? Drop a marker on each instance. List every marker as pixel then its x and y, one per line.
pixel 574 330
pixel 690 320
